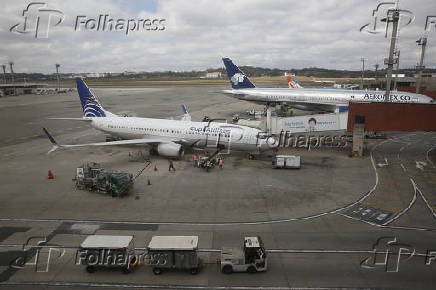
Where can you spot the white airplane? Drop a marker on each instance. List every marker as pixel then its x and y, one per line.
pixel 166 137
pixel 309 99
pixel 293 83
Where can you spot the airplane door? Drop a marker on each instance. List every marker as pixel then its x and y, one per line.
pixel 236 134
pixel 230 134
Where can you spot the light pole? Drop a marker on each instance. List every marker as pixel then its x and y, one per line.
pixel 4 73
pixel 397 60
pixel 57 76
pixel 392 17
pixel 11 66
pixel 375 74
pixel 423 42
pixel 363 73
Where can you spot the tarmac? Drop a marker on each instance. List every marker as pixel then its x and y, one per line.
pixel 321 223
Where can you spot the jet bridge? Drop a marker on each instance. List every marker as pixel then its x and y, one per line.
pixel 307 123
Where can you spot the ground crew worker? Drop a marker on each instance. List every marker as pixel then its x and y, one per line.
pixel 195 160
pixel 221 163
pixel 171 166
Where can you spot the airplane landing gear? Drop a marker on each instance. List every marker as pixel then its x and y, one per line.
pixel 153 152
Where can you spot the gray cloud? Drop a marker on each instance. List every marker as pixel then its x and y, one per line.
pixel 277 33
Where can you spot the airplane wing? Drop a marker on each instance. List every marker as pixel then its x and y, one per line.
pixel 319 106
pixel 143 141
pixel 72 119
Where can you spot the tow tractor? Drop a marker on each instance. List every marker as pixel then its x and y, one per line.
pixel 251 258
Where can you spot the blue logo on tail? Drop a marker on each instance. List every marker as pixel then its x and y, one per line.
pixel 90 105
pixel 237 78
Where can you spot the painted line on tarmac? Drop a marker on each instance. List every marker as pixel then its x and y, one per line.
pixel 141 286
pixel 324 251
pixel 215 223
pixel 428 158
pixel 423 197
pixel 388 226
pixel 411 203
pixel 206 250
pixel 371 191
pixel 402 166
pixel 335 211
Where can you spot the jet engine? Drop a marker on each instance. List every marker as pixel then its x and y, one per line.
pixel 170 150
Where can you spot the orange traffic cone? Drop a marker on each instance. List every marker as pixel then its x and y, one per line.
pixel 50 175
pixel 155 168
pixel 148 182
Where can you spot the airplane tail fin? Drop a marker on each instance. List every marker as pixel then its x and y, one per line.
pixel 186 115
pixel 292 82
pixel 237 78
pixel 90 105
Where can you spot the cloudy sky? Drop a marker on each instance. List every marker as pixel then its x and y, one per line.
pixel 276 34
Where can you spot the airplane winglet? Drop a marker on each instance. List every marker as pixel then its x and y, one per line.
pixel 52 141
pixel 186 115
pixel 184 109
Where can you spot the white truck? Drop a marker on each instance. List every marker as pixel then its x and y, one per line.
pixel 251 258
pixel 287 161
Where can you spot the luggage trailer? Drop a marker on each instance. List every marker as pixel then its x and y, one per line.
pixel 104 251
pixel 168 252
pixel 174 252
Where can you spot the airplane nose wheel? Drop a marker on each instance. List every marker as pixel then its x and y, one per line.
pixel 251 156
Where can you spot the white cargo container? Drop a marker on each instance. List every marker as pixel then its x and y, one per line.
pixel 100 251
pixel 174 252
pixel 286 161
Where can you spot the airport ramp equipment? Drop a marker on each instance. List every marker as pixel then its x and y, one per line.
pixel 174 252
pixel 208 162
pixel 105 251
pixel 251 258
pixel 92 177
pixel 287 162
